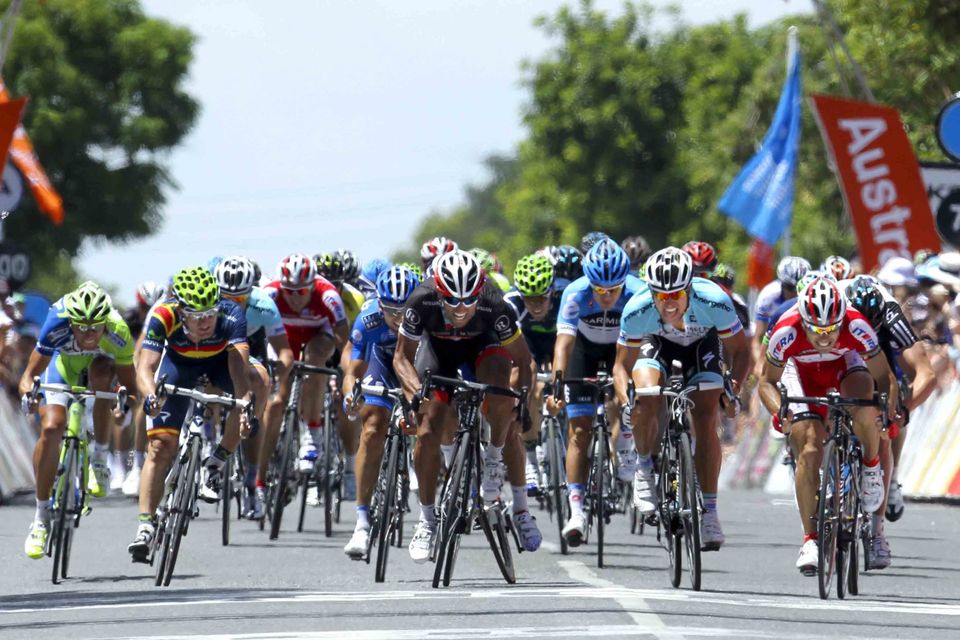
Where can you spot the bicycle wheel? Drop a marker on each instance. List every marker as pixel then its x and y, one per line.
pixel 324 474
pixel 500 539
pixel 667 520
pixel 388 508
pixel 162 532
pixel 855 522
pixel 278 491
pixel 828 518
pixel 186 486
pixel 558 492
pixel 226 500
pixel 461 521
pixel 690 510
pixel 453 505
pixel 600 491
pixel 65 488
pixel 303 490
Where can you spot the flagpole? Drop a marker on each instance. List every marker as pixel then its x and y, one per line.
pixel 792 44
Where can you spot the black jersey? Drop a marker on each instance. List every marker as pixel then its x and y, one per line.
pixel 424 314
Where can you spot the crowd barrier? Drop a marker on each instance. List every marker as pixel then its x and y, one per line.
pixel 929 466
pixel 17 439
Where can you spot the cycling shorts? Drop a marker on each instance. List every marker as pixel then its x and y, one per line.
pixel 798 384
pixel 699 361
pixel 380 374
pixel 186 374
pixel 69 371
pixel 455 358
pixel 587 360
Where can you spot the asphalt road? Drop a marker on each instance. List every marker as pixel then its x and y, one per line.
pixel 303 586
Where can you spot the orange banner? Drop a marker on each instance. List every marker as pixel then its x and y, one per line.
pixel 879 177
pixel 759 265
pixel 25 159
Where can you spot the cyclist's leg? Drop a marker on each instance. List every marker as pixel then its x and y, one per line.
pixel 856 382
pixel 272 416
pixel 46 454
pixel 375 416
pixel 648 371
pixel 317 352
pixel 530 439
pixel 100 376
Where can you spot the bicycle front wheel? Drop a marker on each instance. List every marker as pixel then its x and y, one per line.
pixel 495 528
pixel 690 510
pixel 227 499
pixel 183 500
pixel 453 509
pixel 668 501
pixel 278 491
pixel 324 473
pixel 66 487
pixel 828 518
pixel 558 493
pixel 387 512
pixel 601 478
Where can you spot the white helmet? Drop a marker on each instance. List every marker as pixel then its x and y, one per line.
pixel 838 266
pixel 821 304
pixel 236 275
pixel 149 292
pixel 669 270
pixel 791 269
pixel 437 247
pixel 297 271
pixel 457 274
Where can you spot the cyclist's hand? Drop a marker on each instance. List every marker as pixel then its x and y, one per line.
pixel 246 424
pixel 352 408
pixel 29 404
pixel 152 406
pixel 554 405
pixel 730 405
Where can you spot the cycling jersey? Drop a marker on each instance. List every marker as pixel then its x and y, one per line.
pixel 541 335
pixel 709 309
pixel 894 330
pixel 581 314
pixel 424 313
pixel 374 343
pixel 166 333
pixel 769 298
pixel 353 300
pixel 262 313
pixel 322 313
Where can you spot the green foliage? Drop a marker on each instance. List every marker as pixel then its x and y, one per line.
pixel 107 103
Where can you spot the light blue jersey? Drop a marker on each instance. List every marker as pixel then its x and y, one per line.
pixel 580 313
pixel 262 313
pixel 710 308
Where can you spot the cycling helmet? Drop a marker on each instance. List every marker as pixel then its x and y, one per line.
pixel 394 285
pixel 437 247
pixel 533 275
pixel 213 262
pixel 148 293
pixel 417 269
pixel 351 265
pixel 638 250
pixel 806 279
pixel 838 266
pixel 669 270
pixel 330 266
pixel 606 264
pixel 703 254
pixel 724 274
pixel 297 271
pixel 550 251
pixel 87 304
pixel 791 269
pixel 458 274
pixel 373 268
pixel 568 263
pixel 196 289
pixel 865 296
pixel 592 238
pixel 257 274
pixel 485 258
pixel 235 275
pixel 821 304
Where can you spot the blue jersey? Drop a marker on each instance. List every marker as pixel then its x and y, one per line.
pixel 781 309
pixel 370 331
pixel 580 313
pixel 262 313
pixel 710 308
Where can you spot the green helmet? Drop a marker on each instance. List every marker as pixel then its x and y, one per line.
pixel 417 269
pixel 196 288
pixel 484 258
pixel 89 304
pixel 533 275
pixel 724 274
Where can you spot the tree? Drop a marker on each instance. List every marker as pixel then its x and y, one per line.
pixel 107 103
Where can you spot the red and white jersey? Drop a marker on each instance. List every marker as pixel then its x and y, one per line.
pixel 323 312
pixel 789 342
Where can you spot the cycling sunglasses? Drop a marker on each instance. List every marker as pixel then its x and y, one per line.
pixel 822 331
pixel 602 291
pixel 391 310
pixel 673 295
pixel 197 316
pixel 301 291
pixel 86 328
pixel 467 301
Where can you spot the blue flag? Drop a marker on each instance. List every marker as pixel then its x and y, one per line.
pixel 761 196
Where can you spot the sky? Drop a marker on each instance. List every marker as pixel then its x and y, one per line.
pixel 329 124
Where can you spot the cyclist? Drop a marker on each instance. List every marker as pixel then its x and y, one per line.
pixel 316 324
pixel 724 275
pixel 192 334
pixel 589 239
pixel 369 360
pixel 703 257
pixel 837 266
pixel 789 271
pixel 680 317
pixel 536 305
pixel 638 250
pixel 907 358
pixel 83 336
pixel 459 321
pixel 433 248
pixel 236 277
pixel 367 283
pixel 488 262
pixel 587 327
pixel 823 344
pixel 567 266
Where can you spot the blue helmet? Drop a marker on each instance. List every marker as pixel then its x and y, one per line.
pixel 606 264
pixel 396 284
pixel 373 268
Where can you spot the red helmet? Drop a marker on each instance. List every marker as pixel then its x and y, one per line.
pixel 838 266
pixel 458 274
pixel 437 247
pixel 821 304
pixel 703 254
pixel 297 271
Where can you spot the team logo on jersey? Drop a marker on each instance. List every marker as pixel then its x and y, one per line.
pixel 780 342
pixel 864 333
pixel 708 358
pixel 116 339
pixel 570 310
pixel 372 321
pixel 502 323
pixel 411 316
pixel 356 336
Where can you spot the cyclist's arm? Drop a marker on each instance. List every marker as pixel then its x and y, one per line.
pixel 403 365
pixel 623 370
pixel 770 374
pixel 880 370
pixel 147 371
pixel 562 350
pixel 127 376
pixel 35 366
pixel 522 358
pixel 353 369
pixel 238 360
pixel 738 346
pixel 924 381
pixel 281 345
pixel 341 332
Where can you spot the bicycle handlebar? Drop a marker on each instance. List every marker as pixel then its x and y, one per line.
pixel 833 399
pixel 205 398
pixel 76 393
pixel 311 368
